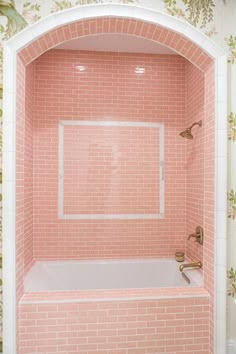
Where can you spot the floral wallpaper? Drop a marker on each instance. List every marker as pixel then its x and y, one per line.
pixel 215 18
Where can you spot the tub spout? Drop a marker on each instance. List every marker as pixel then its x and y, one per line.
pixel 195 265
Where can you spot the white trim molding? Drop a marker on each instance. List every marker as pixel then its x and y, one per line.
pixel 231 347
pixel 32 33
pixel 61 171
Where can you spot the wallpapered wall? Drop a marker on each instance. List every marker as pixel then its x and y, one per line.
pixel 215 18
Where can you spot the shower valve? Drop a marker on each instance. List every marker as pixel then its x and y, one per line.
pixel 198 235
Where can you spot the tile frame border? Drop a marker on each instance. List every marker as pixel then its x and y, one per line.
pixel 99 123
pixel 32 33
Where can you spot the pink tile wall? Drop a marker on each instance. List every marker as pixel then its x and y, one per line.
pixel 111 170
pixel 28 167
pixel 149 326
pixel 108 90
pixel 24 175
pixel 200 173
pixel 194 158
pixel 24 171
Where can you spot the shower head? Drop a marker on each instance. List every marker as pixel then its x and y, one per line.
pixel 187 133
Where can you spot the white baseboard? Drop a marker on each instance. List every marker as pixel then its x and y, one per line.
pixel 231 347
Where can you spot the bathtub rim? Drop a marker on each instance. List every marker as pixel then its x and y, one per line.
pixel 195 275
pixel 26 299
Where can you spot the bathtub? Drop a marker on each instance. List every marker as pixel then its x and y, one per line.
pixel 113 306
pixel 49 276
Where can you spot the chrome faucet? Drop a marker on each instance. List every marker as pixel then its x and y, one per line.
pixel 195 265
pixel 198 235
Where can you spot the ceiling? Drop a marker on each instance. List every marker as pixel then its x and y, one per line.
pixel 115 43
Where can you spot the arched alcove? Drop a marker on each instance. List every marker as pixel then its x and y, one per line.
pixel 185 40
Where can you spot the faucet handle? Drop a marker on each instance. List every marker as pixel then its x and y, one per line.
pixel 198 235
pixel 191 235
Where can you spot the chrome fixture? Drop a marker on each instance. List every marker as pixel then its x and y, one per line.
pixel 195 265
pixel 187 132
pixel 198 235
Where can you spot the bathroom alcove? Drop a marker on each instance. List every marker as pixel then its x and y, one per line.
pixel 169 32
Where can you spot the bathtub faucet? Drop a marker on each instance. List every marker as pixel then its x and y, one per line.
pixel 195 265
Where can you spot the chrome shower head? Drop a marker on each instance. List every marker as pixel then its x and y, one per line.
pixel 187 133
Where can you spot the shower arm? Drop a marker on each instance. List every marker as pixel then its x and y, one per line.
pixel 196 123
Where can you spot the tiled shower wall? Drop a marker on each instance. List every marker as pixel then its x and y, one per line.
pixel 24 171
pixel 28 166
pixel 109 90
pixel 113 170
pixel 194 158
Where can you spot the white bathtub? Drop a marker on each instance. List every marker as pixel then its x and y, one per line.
pixel 107 274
